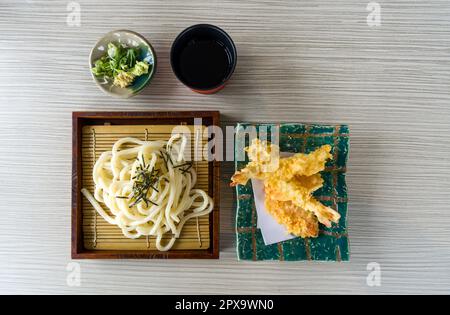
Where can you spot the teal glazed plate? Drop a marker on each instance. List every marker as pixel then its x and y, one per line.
pixel 332 244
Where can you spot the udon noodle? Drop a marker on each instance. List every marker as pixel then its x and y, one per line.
pixel 148 188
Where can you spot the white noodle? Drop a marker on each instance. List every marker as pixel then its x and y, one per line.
pixel 174 200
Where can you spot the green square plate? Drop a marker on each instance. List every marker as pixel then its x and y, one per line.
pixel 332 243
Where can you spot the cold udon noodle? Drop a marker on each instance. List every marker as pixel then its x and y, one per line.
pixel 148 188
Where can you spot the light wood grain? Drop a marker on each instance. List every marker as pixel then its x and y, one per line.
pixel 298 61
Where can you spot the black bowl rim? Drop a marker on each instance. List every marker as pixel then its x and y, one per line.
pixel 190 28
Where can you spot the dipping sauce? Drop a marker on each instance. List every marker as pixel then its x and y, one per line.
pixel 203 57
pixel 204 63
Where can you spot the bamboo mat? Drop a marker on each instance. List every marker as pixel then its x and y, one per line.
pixel 100 235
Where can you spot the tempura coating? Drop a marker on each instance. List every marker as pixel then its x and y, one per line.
pixel 289 184
pixel 299 192
pixel 264 160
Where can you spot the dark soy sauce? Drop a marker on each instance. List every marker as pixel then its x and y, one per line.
pixel 204 63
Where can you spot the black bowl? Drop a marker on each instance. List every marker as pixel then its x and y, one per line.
pixel 203 57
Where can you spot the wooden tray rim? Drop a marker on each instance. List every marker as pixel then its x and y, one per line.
pixel 80 119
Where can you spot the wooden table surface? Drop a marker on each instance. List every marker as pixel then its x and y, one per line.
pixel 299 61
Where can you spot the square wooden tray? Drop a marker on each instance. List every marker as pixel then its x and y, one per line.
pixel 80 240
